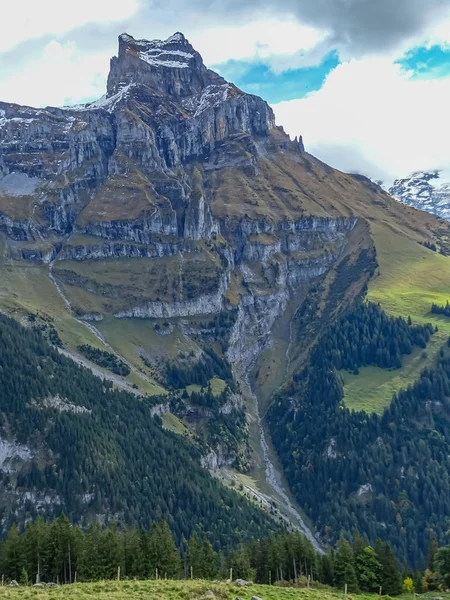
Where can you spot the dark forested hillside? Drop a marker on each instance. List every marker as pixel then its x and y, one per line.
pixel 73 443
pixel 384 475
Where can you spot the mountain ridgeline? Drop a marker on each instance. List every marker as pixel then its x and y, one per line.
pixel 171 237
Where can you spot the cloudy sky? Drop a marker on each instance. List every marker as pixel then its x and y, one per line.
pixel 366 82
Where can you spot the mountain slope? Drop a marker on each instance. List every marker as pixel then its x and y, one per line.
pixel 174 226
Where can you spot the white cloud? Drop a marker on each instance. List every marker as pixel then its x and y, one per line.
pixel 263 39
pixel 60 74
pixel 58 16
pixel 371 117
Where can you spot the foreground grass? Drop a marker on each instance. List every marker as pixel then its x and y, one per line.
pixel 170 590
pixel 409 279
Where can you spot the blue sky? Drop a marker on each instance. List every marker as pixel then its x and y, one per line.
pixel 260 79
pixel 427 62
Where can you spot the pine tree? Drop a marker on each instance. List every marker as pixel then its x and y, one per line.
pixel 90 567
pixel 239 561
pixel 359 543
pixel 368 570
pixel 193 556
pixel 391 580
pixel 344 566
pixel 110 552
pixel 12 555
pixel 442 560
pixel 144 549
pixel 433 547
pixel 36 547
pixel 208 560
pixel 24 579
pixel 326 568
pixel 418 582
pixel 169 558
pixel 133 561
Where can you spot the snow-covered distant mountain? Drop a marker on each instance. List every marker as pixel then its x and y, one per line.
pixel 425 190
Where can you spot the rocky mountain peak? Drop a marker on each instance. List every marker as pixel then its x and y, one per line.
pixel 424 190
pixel 171 66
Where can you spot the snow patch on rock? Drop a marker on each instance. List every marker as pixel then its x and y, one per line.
pixel 424 190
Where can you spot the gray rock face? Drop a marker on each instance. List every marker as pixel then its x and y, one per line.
pixel 176 165
pixel 171 66
pixel 136 170
pixel 163 107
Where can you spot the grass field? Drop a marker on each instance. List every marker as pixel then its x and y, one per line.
pixel 25 288
pixel 217 386
pixel 173 423
pixel 170 590
pixel 185 590
pixel 409 279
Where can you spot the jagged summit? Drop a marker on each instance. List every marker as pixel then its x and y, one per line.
pixel 175 52
pixel 172 66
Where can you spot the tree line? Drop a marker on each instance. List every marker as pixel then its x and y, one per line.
pixel 208 366
pixel 59 552
pixel 438 309
pixel 105 359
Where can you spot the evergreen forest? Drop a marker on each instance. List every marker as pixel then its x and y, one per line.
pixel 81 447
pixel 384 475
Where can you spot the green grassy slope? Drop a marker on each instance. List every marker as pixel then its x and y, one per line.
pixel 410 277
pixel 170 590
pixel 25 288
pixel 184 590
